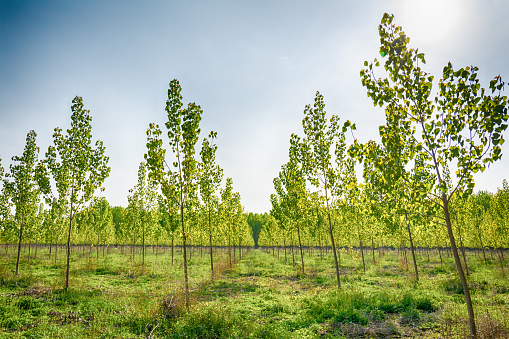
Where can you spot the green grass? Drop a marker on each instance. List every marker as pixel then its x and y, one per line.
pixel 262 296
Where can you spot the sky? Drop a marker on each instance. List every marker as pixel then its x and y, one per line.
pixel 251 65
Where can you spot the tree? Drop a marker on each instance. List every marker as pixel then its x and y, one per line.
pixel 463 125
pixel 230 209
pixel 210 177
pixel 290 185
pixel 314 151
pixel 103 225
pixel 28 182
pixel 177 184
pixel 143 206
pixel 77 167
pixel 255 223
pixel 169 220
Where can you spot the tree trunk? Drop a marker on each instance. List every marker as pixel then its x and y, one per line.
pixel 20 241
pixel 333 244
pixel 373 249
pixel 466 291
pixel 184 250
pixel 412 247
pixel 501 258
pixel 240 250
pixel 300 247
pixel 284 244
pixel 320 246
pixel 360 242
pixel 462 248
pixel 143 248
pixel 68 250
pixel 211 255
pixel 291 246
pixel 229 246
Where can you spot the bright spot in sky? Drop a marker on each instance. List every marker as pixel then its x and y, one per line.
pixel 432 21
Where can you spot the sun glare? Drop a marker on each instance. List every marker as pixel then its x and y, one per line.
pixel 432 21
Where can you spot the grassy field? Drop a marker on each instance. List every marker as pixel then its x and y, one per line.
pixel 262 296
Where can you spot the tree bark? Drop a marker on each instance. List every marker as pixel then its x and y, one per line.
pixel 300 247
pixel 412 247
pixel 457 260
pixel 20 241
pixel 211 255
pixel 68 249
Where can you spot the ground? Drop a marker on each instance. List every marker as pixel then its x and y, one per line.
pixel 261 296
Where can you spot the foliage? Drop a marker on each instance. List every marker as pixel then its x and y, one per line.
pixel 77 167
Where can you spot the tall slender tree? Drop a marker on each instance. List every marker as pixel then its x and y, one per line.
pixel 27 184
pixel 315 152
pixel 462 125
pixel 178 183
pixel 77 167
pixel 210 178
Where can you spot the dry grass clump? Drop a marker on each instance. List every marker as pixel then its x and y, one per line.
pixel 173 304
pixel 223 266
pixel 490 327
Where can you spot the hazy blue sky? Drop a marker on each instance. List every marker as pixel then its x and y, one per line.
pixel 252 66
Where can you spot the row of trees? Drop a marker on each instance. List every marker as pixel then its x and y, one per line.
pixel 407 176
pixel 39 197
pixel 479 221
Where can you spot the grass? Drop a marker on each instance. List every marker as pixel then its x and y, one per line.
pixel 262 296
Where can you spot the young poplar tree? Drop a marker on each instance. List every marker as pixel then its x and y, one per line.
pixel 463 125
pixel 103 225
pixel 227 212
pixel 143 206
pixel 290 186
pixel 177 182
pixel 78 168
pixel 209 179
pixel 315 152
pixel 26 186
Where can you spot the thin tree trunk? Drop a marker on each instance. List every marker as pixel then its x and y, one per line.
pixel 20 241
pixel 501 259
pixel 184 250
pixel 412 247
pixel 291 246
pixel 462 248
pixel 373 249
pixel 143 248
pixel 284 244
pixel 229 246
pixel 300 247
pixel 68 249
pixel 466 291
pixel 211 255
pixel 360 242
pixel 240 250
pixel 320 246
pixel 332 241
